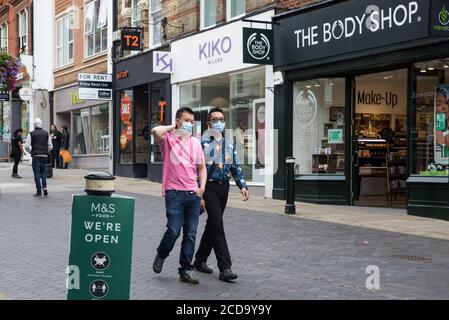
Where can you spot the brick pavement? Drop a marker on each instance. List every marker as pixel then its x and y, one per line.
pixel 276 256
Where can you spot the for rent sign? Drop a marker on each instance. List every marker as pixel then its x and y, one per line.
pixel 100 248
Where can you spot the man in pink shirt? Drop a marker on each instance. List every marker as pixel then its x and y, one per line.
pixel 183 159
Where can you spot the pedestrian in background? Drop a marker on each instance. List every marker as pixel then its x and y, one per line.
pixel 56 139
pixel 16 152
pixel 39 144
pixel 183 162
pixel 65 145
pixel 222 162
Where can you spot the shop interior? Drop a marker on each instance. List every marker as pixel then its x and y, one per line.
pixel 380 139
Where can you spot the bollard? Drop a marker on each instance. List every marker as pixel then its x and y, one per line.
pixel 100 242
pixel 99 184
pixel 290 207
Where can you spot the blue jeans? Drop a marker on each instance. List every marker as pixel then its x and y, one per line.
pixel 183 211
pixel 40 173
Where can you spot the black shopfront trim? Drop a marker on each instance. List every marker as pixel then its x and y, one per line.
pixel 428 198
pixel 140 73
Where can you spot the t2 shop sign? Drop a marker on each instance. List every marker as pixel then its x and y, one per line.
pixel 348 27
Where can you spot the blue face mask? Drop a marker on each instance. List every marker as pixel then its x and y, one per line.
pixel 187 126
pixel 219 126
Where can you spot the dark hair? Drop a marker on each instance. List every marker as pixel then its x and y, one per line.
pixel 16 133
pixel 64 127
pixel 215 109
pixel 184 110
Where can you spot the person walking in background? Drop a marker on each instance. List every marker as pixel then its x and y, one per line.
pixel 56 139
pixel 222 162
pixel 65 145
pixel 39 144
pixel 183 162
pixel 16 151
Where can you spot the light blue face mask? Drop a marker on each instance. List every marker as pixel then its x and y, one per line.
pixel 187 126
pixel 219 126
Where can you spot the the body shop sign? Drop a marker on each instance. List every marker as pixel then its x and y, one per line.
pixel 212 52
pixel 349 27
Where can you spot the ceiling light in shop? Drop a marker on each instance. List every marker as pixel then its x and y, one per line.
pixel 423 70
pixel 430 68
pixel 317 85
pixel 308 86
pixel 446 66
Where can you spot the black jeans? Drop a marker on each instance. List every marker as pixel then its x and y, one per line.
pixel 55 158
pixel 216 197
pixel 16 157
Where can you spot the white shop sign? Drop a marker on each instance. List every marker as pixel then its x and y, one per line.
pixel 212 52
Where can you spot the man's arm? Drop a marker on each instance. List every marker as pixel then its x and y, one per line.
pixel 28 143
pixel 203 177
pixel 159 132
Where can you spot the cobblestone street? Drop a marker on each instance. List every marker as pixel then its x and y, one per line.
pixel 276 256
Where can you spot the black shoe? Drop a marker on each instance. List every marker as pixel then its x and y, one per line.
pixel 158 264
pixel 45 193
pixel 16 176
pixel 227 275
pixel 202 267
pixel 187 276
pixel 38 194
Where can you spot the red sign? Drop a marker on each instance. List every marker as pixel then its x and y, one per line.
pixel 123 140
pixel 126 108
pixel 129 132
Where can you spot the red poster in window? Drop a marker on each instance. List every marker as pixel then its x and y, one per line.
pixel 123 140
pixel 129 132
pixel 126 108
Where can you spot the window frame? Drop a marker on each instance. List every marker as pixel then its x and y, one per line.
pixel 228 12
pixel 22 30
pixel 135 23
pixel 61 19
pixel 4 38
pixel 152 43
pixel 202 19
pixel 93 32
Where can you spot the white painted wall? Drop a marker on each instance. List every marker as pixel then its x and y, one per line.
pixel 43 44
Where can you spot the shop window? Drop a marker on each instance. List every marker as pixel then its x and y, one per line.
pixel 22 31
pixel 242 98
pixel 141 124
pixel 159 117
pixel 64 46
pixel 208 13
pixel 235 9
pixel 4 37
pixel 126 127
pixel 95 27
pixel 100 129
pixel 90 130
pixel 319 126
pixel 6 122
pixel 430 120
pixel 25 117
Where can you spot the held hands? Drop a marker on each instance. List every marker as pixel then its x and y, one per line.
pixel 245 194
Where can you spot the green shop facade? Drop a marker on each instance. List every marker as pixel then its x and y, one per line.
pixel 363 104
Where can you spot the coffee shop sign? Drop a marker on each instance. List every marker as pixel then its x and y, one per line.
pixel 372 20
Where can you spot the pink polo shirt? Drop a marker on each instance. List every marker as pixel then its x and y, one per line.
pixel 181 157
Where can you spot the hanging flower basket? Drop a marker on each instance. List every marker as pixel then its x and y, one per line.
pixel 9 67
